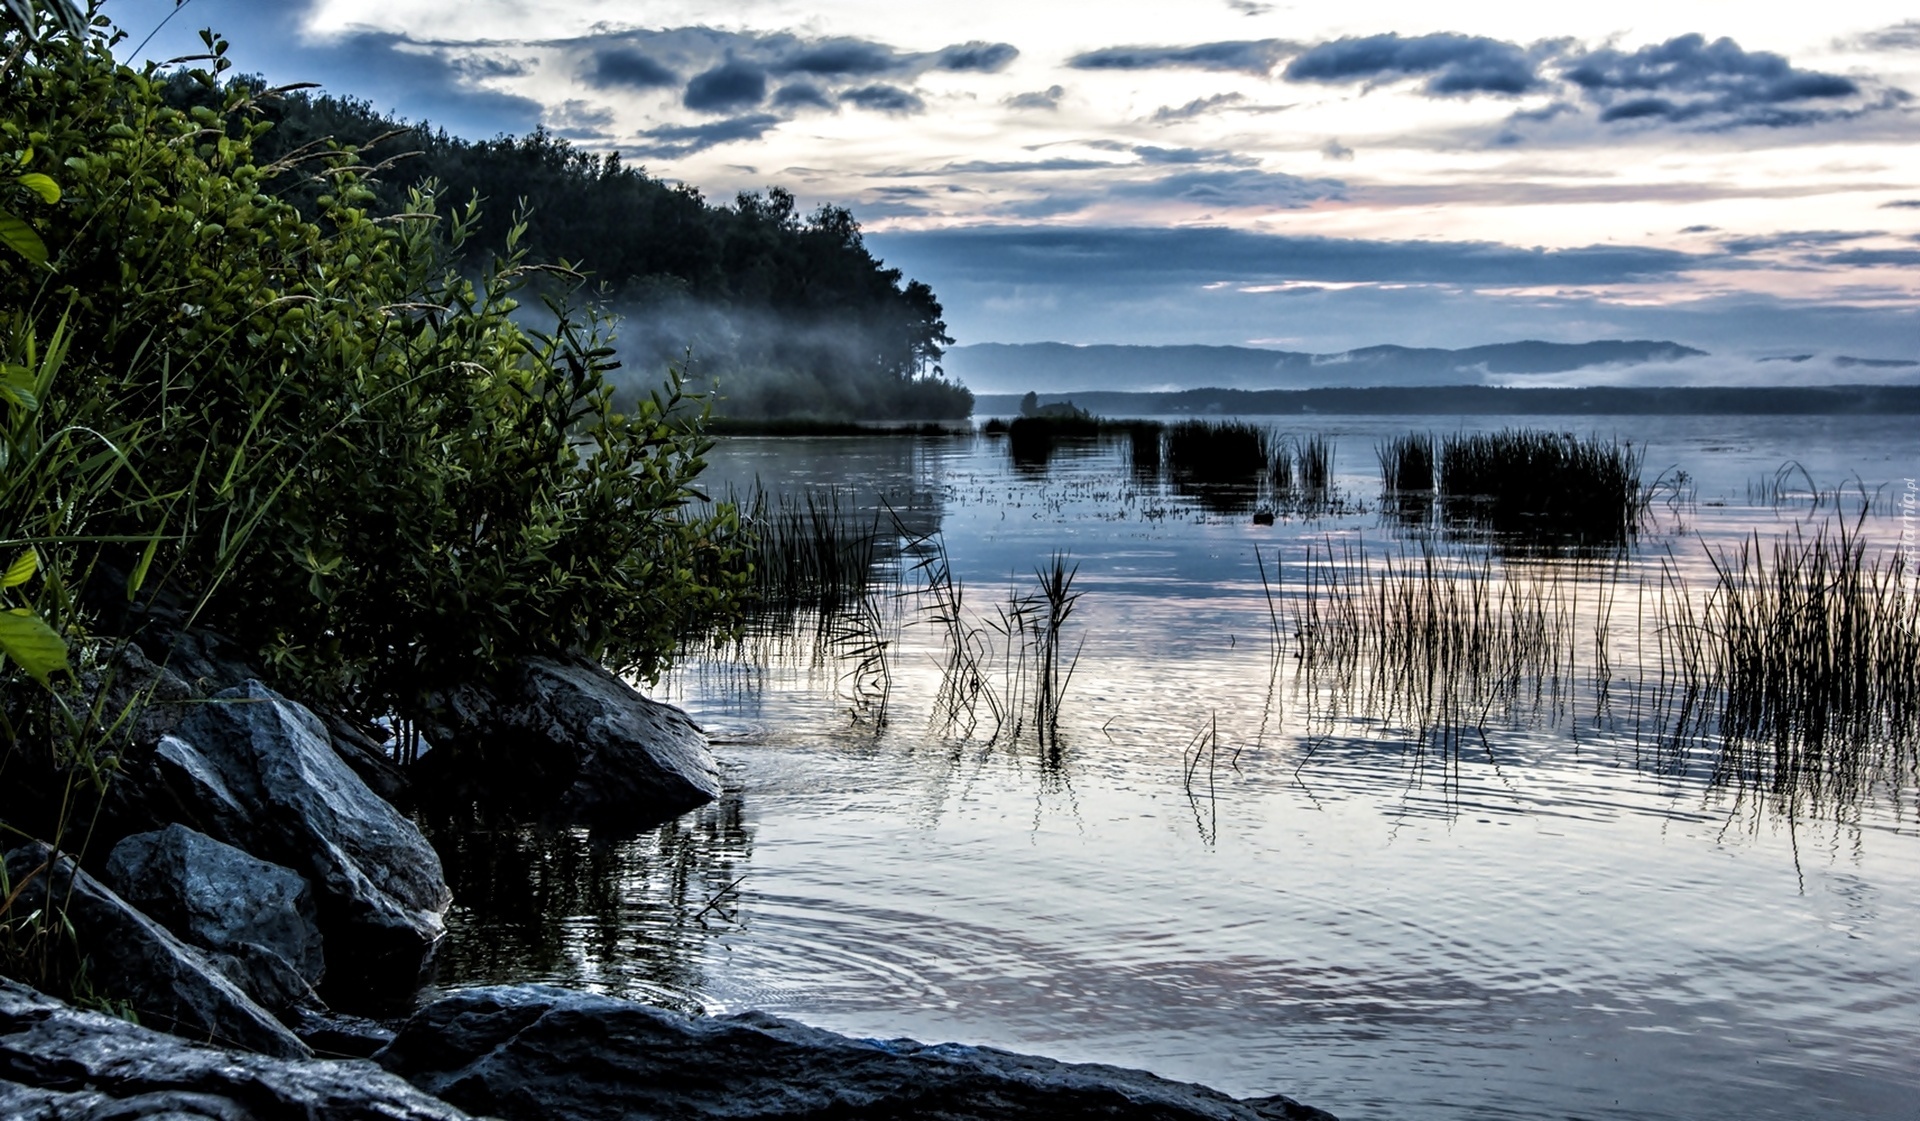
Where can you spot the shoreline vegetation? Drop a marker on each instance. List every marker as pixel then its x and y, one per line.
pixel 291 476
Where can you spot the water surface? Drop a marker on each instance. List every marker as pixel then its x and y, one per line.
pixel 1228 870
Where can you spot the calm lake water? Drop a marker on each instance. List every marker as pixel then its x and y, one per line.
pixel 1230 869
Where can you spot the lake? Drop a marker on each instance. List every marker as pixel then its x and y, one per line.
pixel 1386 894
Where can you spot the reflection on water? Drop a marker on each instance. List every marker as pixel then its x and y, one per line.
pixel 628 916
pixel 1335 807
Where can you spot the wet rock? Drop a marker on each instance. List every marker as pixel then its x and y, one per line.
pixel 338 1034
pixel 576 745
pixel 530 1052
pixel 130 957
pixel 221 899
pixel 361 752
pixel 257 771
pixel 61 1064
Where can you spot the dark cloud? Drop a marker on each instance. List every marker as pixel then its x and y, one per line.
pixel 1235 189
pixel 891 100
pixel 1199 106
pixel 1453 65
pixel 580 120
pixel 625 66
pixel 1903 36
pixel 1334 150
pixel 1699 229
pixel 996 167
pixel 797 94
pixel 1250 56
pixel 1249 8
pixel 1132 256
pixel 1150 154
pixel 1718 84
pixel 985 58
pixel 1901 204
pixel 839 56
pixel 1047 99
pixel 733 84
pixel 1793 239
pixel 488 66
pixel 1873 258
pixel 675 141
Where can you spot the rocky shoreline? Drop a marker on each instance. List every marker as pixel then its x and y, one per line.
pixel 251 885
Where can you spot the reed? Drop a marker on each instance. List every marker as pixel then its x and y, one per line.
pixel 811 549
pixel 1801 666
pixel 1406 463
pixel 1531 486
pixel 1056 600
pixel 1432 641
pixel 1313 458
pixel 1218 452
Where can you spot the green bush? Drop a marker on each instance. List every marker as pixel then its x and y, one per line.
pixel 379 479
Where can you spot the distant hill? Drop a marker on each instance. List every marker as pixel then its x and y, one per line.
pixel 1489 400
pixel 1061 368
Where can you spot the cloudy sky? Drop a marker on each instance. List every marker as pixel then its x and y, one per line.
pixel 1739 177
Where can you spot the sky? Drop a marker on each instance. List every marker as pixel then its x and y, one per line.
pixel 1738 177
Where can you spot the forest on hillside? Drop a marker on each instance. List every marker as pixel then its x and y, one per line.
pixel 784 313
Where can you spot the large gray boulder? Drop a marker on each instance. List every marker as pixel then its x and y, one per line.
pixel 256 920
pixel 61 1064
pixel 534 1052
pixel 256 771
pixel 130 957
pixel 571 742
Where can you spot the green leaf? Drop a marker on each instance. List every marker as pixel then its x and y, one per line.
pixel 21 238
pixel 32 644
pixel 42 185
pixel 22 569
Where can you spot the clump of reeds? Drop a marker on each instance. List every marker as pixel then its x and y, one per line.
pixel 1433 641
pixel 1056 602
pixel 815 549
pixel 1314 457
pixel 1406 463
pixel 1144 439
pixel 1802 664
pixel 1219 452
pixel 1547 487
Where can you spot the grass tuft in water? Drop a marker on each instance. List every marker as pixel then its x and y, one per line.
pixel 1406 463
pixel 1536 487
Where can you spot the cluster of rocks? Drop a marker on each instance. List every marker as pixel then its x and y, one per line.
pixel 255 859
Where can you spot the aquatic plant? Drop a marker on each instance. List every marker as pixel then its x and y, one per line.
pixel 813 548
pixel 1542 488
pixel 1406 463
pixel 1801 665
pixel 1217 452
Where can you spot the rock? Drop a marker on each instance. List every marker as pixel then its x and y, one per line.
pixel 575 743
pixel 61 1064
pixel 132 958
pixel 534 1052
pixel 219 898
pixel 338 1035
pixel 149 700
pixel 364 755
pixel 258 772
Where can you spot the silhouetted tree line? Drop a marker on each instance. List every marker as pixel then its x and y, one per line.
pixel 788 314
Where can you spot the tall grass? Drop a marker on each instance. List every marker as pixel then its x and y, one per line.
pixel 1801 665
pixel 1430 640
pixel 811 549
pixel 1531 486
pixel 1218 452
pixel 1406 463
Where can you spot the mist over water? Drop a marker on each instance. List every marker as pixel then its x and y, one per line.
pixel 758 363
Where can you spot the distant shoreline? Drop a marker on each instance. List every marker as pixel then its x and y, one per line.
pixel 1483 400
